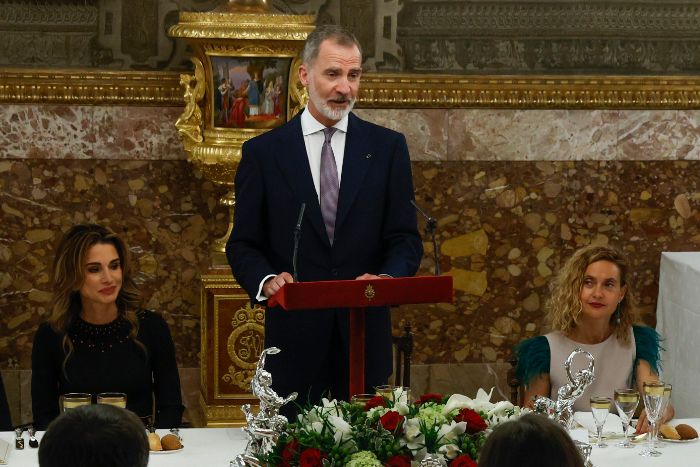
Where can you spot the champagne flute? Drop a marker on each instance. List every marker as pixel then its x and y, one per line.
pixel 600 407
pixel 626 401
pixel 653 400
pixel 668 388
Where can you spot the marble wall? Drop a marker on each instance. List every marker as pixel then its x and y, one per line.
pixel 515 192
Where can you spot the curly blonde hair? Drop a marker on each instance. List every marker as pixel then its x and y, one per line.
pixel 68 274
pixel 564 305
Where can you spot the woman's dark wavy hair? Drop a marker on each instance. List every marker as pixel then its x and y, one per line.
pixel 68 273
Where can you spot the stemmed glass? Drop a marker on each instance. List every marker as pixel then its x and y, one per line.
pixel 653 402
pixel 668 388
pixel 626 401
pixel 600 407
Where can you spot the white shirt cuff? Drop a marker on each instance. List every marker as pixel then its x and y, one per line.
pixel 260 297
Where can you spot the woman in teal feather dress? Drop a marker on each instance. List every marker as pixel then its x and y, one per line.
pixel 592 307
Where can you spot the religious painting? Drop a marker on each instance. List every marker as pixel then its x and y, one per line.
pixel 250 92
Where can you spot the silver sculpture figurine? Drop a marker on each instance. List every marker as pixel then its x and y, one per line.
pixel 265 427
pixel 560 410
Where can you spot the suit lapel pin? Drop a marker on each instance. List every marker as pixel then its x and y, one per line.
pixel 368 156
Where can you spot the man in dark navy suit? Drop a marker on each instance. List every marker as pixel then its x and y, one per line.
pixel 355 180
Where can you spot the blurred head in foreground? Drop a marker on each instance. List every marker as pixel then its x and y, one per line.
pixel 95 435
pixel 532 440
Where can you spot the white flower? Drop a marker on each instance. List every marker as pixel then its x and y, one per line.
pixel 456 401
pixel 500 408
pixel 401 408
pixel 413 439
pixel 341 428
pixel 482 401
pixel 317 427
pixel 452 431
pixel 400 395
pixel 449 450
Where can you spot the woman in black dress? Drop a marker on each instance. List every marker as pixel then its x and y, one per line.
pixel 98 339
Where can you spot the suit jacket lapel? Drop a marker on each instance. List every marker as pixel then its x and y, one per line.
pixel 355 164
pixel 294 164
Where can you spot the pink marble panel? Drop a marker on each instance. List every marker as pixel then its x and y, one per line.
pixel 425 129
pixel 649 135
pixel 46 132
pixel 141 133
pixel 531 135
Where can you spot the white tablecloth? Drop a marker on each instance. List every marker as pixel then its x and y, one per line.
pixel 204 447
pixel 215 447
pixel 678 322
pixel 673 455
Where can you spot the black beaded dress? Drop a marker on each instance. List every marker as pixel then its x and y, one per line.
pixel 106 359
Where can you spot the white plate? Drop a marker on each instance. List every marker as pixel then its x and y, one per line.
pixel 666 440
pixel 172 451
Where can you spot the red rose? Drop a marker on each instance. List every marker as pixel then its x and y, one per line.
pixel 475 423
pixel 311 457
pixel 289 452
pixel 376 401
pixel 463 461
pixel 430 397
pixel 391 420
pixel 398 461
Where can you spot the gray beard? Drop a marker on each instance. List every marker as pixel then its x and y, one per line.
pixel 326 110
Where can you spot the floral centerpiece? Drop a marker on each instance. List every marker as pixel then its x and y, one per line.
pixel 391 431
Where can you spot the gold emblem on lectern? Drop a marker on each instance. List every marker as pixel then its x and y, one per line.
pixel 369 292
pixel 244 345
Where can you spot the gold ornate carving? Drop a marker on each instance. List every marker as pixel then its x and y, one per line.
pixel 222 415
pixel 369 292
pixel 396 91
pixel 244 345
pixel 89 87
pixel 250 50
pixel 258 26
pixel 189 125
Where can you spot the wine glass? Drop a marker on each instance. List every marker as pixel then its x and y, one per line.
pixel 75 399
pixel 600 407
pixel 626 401
pixel 653 401
pixel 668 388
pixel 117 399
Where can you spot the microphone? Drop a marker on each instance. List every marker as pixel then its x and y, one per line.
pixel 430 226
pixel 297 236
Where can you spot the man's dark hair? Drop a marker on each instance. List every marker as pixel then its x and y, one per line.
pixel 532 440
pixel 95 435
pixel 338 34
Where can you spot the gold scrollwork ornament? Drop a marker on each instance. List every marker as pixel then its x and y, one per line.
pixel 190 123
pixel 244 345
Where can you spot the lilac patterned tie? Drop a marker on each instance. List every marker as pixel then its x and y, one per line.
pixel 328 184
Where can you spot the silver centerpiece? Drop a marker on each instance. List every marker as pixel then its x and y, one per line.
pixel 560 410
pixel 264 427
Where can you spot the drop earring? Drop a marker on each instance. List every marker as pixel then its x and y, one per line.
pixel 618 312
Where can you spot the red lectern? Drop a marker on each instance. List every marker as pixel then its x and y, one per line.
pixel 358 295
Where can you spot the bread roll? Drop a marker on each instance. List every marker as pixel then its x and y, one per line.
pixel 170 442
pixel 668 432
pixel 154 442
pixel 686 431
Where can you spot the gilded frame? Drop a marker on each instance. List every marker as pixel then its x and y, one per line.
pixel 89 87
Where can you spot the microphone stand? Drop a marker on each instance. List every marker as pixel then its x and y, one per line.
pixel 297 237
pixel 430 227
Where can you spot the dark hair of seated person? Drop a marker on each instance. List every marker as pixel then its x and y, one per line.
pixel 532 440
pixel 95 435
